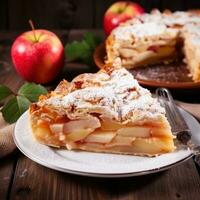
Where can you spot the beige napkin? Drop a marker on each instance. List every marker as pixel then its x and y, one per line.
pixel 7 144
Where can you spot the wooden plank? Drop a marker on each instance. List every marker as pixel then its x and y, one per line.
pixel 179 4
pixel 176 183
pixel 67 14
pixel 6 172
pixel 3 14
pixel 192 4
pixel 148 5
pixel 12 80
pixel 32 181
pixel 5 61
pixel 74 13
pixel 84 14
pixel 50 14
pixel 176 5
pixel 41 181
pixel 42 13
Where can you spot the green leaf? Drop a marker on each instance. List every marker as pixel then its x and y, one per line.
pixel 14 108
pixel 32 91
pixel 82 50
pixel 91 39
pixel 76 50
pixel 4 92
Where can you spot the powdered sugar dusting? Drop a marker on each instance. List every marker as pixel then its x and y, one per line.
pixel 119 97
pixel 170 19
pixel 180 18
pixel 154 24
pixel 139 30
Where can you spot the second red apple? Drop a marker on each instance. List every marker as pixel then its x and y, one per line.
pixel 120 12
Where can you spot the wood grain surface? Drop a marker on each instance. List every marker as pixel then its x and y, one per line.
pixel 31 181
pixel 67 14
pixel 21 178
pixel 6 175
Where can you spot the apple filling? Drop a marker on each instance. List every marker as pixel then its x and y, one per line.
pixel 153 54
pixel 93 134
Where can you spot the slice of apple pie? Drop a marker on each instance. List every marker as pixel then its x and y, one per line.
pixel 103 112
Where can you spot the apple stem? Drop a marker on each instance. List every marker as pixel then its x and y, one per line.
pixel 33 28
pixel 125 6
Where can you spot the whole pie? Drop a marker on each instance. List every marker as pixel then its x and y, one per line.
pixel 106 111
pixel 157 38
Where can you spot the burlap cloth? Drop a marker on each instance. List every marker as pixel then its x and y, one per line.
pixel 7 144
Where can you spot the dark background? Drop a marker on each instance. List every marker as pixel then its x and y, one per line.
pixel 66 14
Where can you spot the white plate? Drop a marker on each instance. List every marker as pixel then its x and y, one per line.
pixel 97 164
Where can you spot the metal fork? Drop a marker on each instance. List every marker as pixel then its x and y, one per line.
pixel 179 127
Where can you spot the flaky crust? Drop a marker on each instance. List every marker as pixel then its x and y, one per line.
pixel 112 93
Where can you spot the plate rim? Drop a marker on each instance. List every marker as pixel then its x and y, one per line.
pixel 151 83
pixel 103 175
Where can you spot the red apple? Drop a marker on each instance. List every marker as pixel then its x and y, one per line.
pixel 120 12
pixel 38 56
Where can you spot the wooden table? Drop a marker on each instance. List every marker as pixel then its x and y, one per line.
pixel 21 178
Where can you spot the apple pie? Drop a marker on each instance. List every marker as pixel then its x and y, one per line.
pixel 156 38
pixel 103 112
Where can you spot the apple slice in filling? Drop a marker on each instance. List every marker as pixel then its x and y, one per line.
pixel 100 137
pixel 110 125
pixel 152 145
pixel 121 141
pixel 134 132
pixel 81 124
pixel 79 129
pixel 78 135
pixel 75 130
